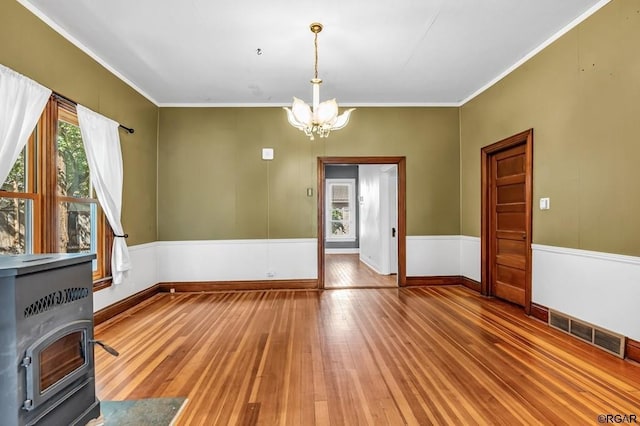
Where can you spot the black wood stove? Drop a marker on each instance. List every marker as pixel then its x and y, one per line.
pixel 46 340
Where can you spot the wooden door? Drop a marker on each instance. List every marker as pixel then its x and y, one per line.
pixel 506 221
pixel 508 224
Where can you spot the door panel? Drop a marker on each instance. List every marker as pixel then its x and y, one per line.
pixel 507 246
pixel 510 221
pixel 510 193
pixel 511 166
pixel 514 261
pixel 507 274
pixel 507 292
pixel 509 224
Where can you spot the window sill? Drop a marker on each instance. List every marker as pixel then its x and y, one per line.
pixel 102 283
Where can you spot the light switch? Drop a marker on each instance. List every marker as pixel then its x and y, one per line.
pixel 545 204
pixel 267 153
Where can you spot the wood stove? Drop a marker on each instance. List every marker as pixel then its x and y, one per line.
pixel 46 340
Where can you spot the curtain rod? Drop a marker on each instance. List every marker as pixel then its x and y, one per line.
pixel 64 98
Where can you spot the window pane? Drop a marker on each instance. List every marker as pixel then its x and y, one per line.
pixel 340 193
pixel 73 170
pixel 340 210
pixel 77 227
pixel 16 226
pixel 340 228
pixel 17 179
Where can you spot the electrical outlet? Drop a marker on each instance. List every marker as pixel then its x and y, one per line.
pixel 271 274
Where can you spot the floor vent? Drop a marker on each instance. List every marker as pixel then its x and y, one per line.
pixel 604 339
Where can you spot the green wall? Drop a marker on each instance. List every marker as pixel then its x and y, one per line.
pixel 581 95
pixel 203 166
pixel 213 184
pixel 31 48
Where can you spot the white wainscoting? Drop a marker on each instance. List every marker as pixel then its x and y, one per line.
pixel 433 255
pixel 600 288
pixel 283 259
pixel 237 260
pixel 234 260
pixel 470 258
pixel 143 274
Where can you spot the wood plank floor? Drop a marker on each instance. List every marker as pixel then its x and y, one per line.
pixel 347 271
pixel 416 356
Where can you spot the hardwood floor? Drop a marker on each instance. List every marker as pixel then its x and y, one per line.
pixel 417 356
pixel 346 271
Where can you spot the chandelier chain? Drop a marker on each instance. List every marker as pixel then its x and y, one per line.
pixel 315 44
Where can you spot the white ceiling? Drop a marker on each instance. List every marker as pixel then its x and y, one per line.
pixel 377 52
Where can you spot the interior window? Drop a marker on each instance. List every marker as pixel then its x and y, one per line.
pixel 340 210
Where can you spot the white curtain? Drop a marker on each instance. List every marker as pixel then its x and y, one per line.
pixel 21 103
pixel 102 146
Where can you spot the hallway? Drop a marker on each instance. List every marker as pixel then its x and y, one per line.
pixel 346 271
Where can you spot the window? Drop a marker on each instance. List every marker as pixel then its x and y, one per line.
pixel 341 210
pixel 47 203
pixel 18 202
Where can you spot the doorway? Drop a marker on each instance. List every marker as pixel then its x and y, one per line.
pixel 507 177
pixel 392 172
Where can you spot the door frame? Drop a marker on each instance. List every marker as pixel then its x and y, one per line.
pixel 487 243
pixel 402 210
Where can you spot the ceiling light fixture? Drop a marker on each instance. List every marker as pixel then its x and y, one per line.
pixel 322 117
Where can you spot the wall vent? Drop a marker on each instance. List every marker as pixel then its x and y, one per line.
pixel 603 339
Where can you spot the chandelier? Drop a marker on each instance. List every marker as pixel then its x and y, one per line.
pixel 322 117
